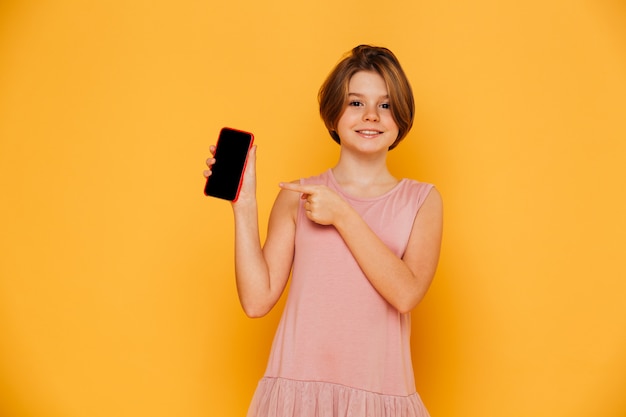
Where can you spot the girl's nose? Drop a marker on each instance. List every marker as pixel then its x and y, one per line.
pixel 371 115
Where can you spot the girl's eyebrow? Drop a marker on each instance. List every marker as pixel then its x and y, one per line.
pixel 386 96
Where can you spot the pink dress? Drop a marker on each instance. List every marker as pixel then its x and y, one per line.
pixel 340 349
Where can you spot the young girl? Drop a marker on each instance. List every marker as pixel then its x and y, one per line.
pixel 361 246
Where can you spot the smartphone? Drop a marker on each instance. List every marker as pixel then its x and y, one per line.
pixel 231 155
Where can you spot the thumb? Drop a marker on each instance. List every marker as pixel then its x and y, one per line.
pixel 251 159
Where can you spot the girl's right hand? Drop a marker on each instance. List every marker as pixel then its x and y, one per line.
pixel 248 186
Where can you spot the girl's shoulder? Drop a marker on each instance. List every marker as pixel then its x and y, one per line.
pixel 417 191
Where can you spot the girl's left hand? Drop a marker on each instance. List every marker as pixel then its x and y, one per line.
pixel 322 206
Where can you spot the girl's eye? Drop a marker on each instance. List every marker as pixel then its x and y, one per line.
pixel 355 104
pixel 385 105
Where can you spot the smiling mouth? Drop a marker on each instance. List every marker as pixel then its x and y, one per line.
pixel 369 132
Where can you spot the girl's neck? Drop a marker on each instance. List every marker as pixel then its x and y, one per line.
pixel 360 176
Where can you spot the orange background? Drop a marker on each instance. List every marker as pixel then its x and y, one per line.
pixel 116 276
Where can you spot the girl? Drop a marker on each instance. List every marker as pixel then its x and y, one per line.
pixel 362 248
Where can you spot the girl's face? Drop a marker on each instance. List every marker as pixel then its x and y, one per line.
pixel 367 124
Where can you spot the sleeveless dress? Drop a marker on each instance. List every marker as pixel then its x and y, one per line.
pixel 340 349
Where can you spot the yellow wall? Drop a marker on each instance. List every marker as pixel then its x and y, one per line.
pixel 116 286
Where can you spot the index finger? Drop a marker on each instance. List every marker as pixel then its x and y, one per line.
pixel 299 188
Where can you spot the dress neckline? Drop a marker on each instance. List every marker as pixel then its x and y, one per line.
pixel 349 196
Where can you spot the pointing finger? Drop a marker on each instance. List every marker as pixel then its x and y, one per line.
pixel 299 188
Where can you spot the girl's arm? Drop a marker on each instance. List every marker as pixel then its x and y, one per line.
pixel 262 271
pixel 403 282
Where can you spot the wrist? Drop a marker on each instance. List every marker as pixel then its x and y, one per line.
pixel 243 205
pixel 344 219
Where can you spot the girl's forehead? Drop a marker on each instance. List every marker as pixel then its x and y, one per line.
pixel 367 82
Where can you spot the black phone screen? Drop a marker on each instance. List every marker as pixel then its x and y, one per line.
pixel 231 154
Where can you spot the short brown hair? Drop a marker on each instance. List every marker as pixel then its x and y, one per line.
pixel 333 94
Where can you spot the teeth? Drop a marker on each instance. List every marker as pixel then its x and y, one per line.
pixel 369 132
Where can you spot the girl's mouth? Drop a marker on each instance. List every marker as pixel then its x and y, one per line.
pixel 369 133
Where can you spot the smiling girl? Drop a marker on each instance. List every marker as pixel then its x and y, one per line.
pixel 361 247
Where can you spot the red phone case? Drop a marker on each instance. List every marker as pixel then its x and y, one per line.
pixel 226 182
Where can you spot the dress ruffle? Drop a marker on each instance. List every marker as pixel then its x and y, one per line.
pixel 279 397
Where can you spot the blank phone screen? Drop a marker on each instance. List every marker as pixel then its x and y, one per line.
pixel 230 160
